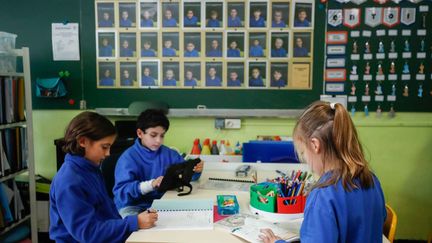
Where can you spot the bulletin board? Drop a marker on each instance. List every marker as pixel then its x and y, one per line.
pixel 378 53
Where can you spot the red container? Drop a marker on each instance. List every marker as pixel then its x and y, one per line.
pixel 291 204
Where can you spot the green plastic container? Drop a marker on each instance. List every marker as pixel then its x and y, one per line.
pixel 260 198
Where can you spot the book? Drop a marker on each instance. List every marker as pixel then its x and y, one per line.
pixel 177 214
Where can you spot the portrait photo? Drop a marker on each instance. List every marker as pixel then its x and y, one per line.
pixel 192 74
pixel 302 15
pixel 235 44
pixel 107 74
pixel 279 44
pixel 235 74
pixel 279 74
pixel 214 14
pixel 213 74
pixel 257 44
pixel 191 14
pixel 149 44
pixel 280 14
pixel 149 73
pixel 127 15
pixel 192 44
pixel 214 44
pixel 257 14
pixel 128 74
pixel 148 15
pixel 235 14
pixel 257 74
pixel 170 44
pixel 170 14
pixel 106 44
pixel 127 45
pixel 105 15
pixel 301 44
pixel 170 72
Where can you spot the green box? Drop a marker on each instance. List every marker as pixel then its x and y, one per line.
pixel 258 192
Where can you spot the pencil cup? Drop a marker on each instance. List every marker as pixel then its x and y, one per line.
pixel 291 205
pixel 263 197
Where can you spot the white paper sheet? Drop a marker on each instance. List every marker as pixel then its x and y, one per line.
pixel 65 41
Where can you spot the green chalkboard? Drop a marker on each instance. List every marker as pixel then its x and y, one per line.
pixel 31 20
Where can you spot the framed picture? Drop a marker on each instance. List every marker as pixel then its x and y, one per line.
pixel 214 14
pixel 149 73
pixel 149 44
pixel 192 44
pixel 257 74
pixel 128 74
pixel 192 14
pixel 192 74
pixel 105 15
pixel 235 44
pixel 213 74
pixel 301 44
pixel 106 44
pixel 148 14
pixel 127 15
pixel 257 44
pixel 235 14
pixel 235 74
pixel 280 14
pixel 214 42
pixel 170 14
pixel 257 14
pixel 303 15
pixel 279 74
pixel 127 45
pixel 279 44
pixel 170 41
pixel 107 74
pixel 171 72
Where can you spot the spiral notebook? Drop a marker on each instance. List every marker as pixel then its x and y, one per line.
pixel 179 214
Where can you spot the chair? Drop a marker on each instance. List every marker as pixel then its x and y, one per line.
pixel 108 169
pixel 390 224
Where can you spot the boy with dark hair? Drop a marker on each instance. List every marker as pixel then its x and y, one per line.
pixel 141 167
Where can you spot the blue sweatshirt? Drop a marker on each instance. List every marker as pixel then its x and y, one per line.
pixel 234 83
pixel 169 82
pixel 148 53
pixel 256 82
pixel 298 23
pixel 190 82
pixel 105 23
pixel 300 52
pixel 233 52
pixel 169 22
pixel 146 23
pixel 106 81
pixel 147 81
pixel 281 52
pixel 236 22
pixel 190 22
pixel 214 53
pixel 213 82
pixel 126 82
pixel 256 51
pixel 280 25
pixel 168 52
pixel 126 52
pixel 106 51
pixel 125 23
pixel 80 208
pixel 138 164
pixel 193 53
pixel 213 23
pixel 257 23
pixel 335 215
pixel 278 83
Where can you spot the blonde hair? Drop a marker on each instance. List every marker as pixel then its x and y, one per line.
pixel 333 127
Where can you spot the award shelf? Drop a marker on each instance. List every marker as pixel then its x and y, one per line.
pixel 17 171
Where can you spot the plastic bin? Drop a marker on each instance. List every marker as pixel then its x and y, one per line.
pixel 7 41
pixel 260 200
pixel 291 205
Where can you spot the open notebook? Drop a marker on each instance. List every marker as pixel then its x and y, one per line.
pixel 188 214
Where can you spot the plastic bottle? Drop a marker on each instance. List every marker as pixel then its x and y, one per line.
pixel 206 147
pixel 222 148
pixel 229 150
pixel 214 148
pixel 196 148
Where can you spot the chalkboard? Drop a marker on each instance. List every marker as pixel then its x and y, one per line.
pixel 32 22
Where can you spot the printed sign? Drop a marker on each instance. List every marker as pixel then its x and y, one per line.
pixel 337 37
pixel 334 17
pixel 391 16
pixel 351 17
pixel 408 16
pixel 373 16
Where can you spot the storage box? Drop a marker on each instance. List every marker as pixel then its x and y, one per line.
pixel 291 205
pixel 263 197
pixel 7 63
pixel 269 152
pixel 7 41
pixel 227 204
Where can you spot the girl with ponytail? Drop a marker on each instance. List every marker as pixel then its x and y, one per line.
pixel 347 203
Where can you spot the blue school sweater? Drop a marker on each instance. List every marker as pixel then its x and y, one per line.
pixel 281 52
pixel 105 23
pixel 168 52
pixel 213 23
pixel 190 22
pixel 214 53
pixel 256 82
pixel 80 208
pixel 169 22
pixel 278 83
pixel 257 23
pixel 125 23
pixel 190 82
pixel 106 81
pixel 126 52
pixel 280 25
pixel 236 22
pixel 147 81
pixel 146 23
pixel 169 82
pixel 213 82
pixel 256 51
pixel 298 23
pixel 335 215
pixel 234 83
pixel 233 52
pixel 138 164
pixel 300 52
pixel 193 53
pixel 106 51
pixel 148 53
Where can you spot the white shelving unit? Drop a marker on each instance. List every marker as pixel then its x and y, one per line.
pixel 28 123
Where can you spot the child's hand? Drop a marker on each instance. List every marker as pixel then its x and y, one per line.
pixel 199 167
pixel 156 182
pixel 268 236
pixel 147 219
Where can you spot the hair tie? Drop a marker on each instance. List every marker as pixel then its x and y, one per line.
pixel 332 105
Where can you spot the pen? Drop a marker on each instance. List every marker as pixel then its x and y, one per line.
pixel 280 173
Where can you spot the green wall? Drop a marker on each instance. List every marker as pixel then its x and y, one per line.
pixel 399 151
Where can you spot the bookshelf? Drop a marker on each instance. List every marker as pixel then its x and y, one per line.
pixel 22 124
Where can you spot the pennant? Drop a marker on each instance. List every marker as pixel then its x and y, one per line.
pixel 380 1
pixel 408 16
pixel 373 16
pixel 351 17
pixel 341 1
pixel 334 17
pixel 397 1
pixel 358 2
pixel 391 16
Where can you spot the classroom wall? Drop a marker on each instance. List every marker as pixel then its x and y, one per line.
pixel 399 151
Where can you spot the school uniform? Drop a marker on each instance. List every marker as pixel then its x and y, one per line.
pixel 80 208
pixel 106 81
pixel 298 23
pixel 147 81
pixel 190 22
pixel 136 165
pixel 193 53
pixel 234 83
pixel 148 53
pixel 168 52
pixel 105 23
pixel 281 52
pixel 213 23
pixel 256 51
pixel 126 52
pixel 335 215
pixel 233 52
pixel 190 82
pixel 300 52
pixel 278 83
pixel 126 82
pixel 214 53
pixel 278 25
pixel 257 22
pixel 234 22
pixel 169 22
pixel 256 82
pixel 169 82
pixel 213 81
pixel 125 23
pixel 106 51
pixel 146 23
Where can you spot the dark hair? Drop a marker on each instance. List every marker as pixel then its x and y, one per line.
pixel 152 118
pixel 87 124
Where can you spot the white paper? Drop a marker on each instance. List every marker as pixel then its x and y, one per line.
pixel 355 33
pixel 352 99
pixel 380 32
pixel 392 32
pixel 379 98
pixel 406 32
pixel 65 41
pixel 421 55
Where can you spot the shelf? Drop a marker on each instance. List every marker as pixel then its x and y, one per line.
pixel 5 178
pixel 12 74
pixel 7 229
pixel 12 125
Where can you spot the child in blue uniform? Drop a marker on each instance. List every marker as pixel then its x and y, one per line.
pixel 80 208
pixel 212 80
pixel 189 79
pixel 277 80
pixel 278 51
pixel 233 19
pixel 169 21
pixel 233 81
pixel 256 80
pixel 277 20
pixel 168 51
pixel 169 78
pixel 213 21
pixel 347 203
pixel 106 21
pixel 256 49
pixel 146 20
pixel 125 51
pixel 106 50
pixel 141 167
pixel 190 20
pixel 214 51
pixel 257 20
pixel 233 51
pixel 190 50
pixel 301 20
pixel 147 51
pixel 146 79
pixel 299 49
pixel 107 80
pixel 126 79
pixel 125 21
